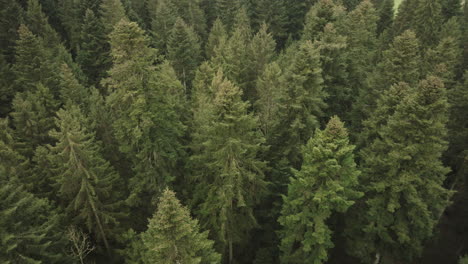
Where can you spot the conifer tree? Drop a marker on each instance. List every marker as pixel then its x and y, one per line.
pixel 10 19
pixel 451 8
pixel 217 36
pixel 164 19
pixel 405 17
pixel 147 122
pixel 112 11
pixel 403 176
pixel 227 170
pixel 386 14
pixel 71 90
pixel 38 23
pixel 174 237
pixel 226 11
pixel 273 14
pixel 33 114
pixel 93 54
pixel 184 51
pixel 400 63
pixel 319 15
pixel 325 184
pixel 87 184
pixel 428 21
pixel 302 106
pixel 261 52
pixel 29 227
pixel 6 87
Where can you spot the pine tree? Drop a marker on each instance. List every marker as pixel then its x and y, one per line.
pixel 146 120
pixel 10 19
pixel 273 14
pixel 112 11
pixel 32 115
pixel 227 170
pixel 87 184
pixel 261 52
pixel 174 237
pixel 270 92
pixel 184 51
pixel 29 227
pixel 38 23
pixel 400 63
pixel 360 29
pixel 451 8
pixel 71 90
pixel 404 175
pixel 428 21
pixel 302 106
pixel 93 53
pixel 226 11
pixel 164 19
pixel 319 15
pixel 217 36
pixel 332 47
pixel 386 14
pixel 6 87
pixel 32 64
pixel 405 17
pixel 325 184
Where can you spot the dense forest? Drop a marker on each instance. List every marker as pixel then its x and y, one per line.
pixel 233 131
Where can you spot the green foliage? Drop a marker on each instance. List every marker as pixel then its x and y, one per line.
pixel 386 14
pixel 87 184
pixel 174 237
pixel 325 184
pixel 322 13
pixel 404 175
pixel 112 11
pixel 428 20
pixel 216 37
pixel 184 51
pixel 11 16
pixel 93 53
pixel 227 170
pixel 30 227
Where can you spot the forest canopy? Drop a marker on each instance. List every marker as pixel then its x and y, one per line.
pixel 233 131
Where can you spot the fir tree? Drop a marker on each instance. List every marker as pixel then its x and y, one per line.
pixel 30 228
pixel 71 90
pixel 325 184
pixel 164 19
pixel 93 53
pixel 227 170
pixel 428 20
pixel 319 15
pixel 405 17
pixel 386 14
pixel 184 51
pixel 87 184
pixel 6 87
pixel 112 11
pixel 10 19
pixel 404 175
pixel 217 36
pixel 174 237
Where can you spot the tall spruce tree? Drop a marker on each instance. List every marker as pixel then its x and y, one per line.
pixel 112 11
pixel 428 21
pixel 147 122
pixel 10 19
pixel 184 51
pixel 87 184
pixel 403 177
pixel 29 227
pixel 93 53
pixel 319 15
pixel 217 36
pixel 227 171
pixel 174 237
pixel 325 184
pixel 386 16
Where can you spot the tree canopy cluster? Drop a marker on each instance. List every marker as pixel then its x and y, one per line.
pixel 233 131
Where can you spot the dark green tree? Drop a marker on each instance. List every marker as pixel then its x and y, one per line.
pixel 184 51
pixel 325 184
pixel 386 15
pixel 428 21
pixel 319 15
pixel 217 36
pixel 7 91
pixel 87 184
pixel 174 237
pixel 227 172
pixel 10 19
pixel 93 53
pixel 403 176
pixel 112 11
pixel 30 227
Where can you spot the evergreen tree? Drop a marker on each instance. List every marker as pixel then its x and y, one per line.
pixel 386 14
pixel 319 15
pixel 38 23
pixel 404 175
pixel 301 107
pixel 217 36
pixel 147 122
pixel 227 170
pixel 184 51
pixel 428 21
pixel 6 87
pixel 226 11
pixel 451 8
pixel 71 90
pixel 400 63
pixel 325 184
pixel 273 14
pixel 174 237
pixel 405 17
pixel 32 115
pixel 30 228
pixel 87 184
pixel 164 19
pixel 10 19
pixel 112 11
pixel 93 53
